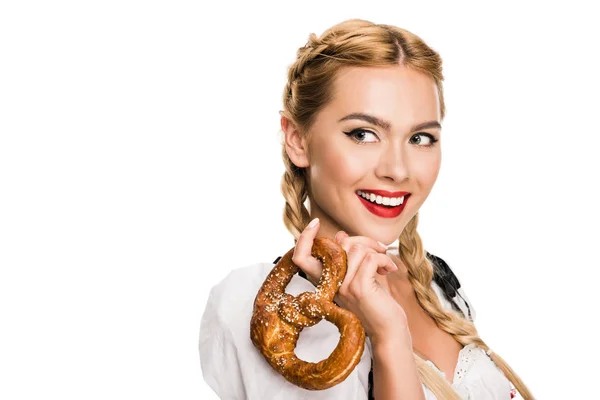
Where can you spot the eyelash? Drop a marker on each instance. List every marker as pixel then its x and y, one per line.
pixel 359 130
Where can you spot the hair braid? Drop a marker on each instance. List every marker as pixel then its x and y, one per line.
pixel 295 192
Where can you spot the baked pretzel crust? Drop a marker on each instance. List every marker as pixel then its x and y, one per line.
pixel 278 318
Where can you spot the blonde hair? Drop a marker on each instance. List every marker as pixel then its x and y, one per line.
pixel 357 42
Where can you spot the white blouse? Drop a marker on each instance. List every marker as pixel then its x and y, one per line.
pixel 236 370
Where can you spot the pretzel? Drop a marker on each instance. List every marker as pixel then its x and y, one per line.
pixel 278 318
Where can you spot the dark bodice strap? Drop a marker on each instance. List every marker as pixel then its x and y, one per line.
pixel 448 282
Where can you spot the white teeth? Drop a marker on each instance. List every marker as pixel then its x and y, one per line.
pixel 386 201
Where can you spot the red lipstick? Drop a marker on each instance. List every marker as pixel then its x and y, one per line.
pixel 381 210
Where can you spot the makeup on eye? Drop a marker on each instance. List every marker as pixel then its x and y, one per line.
pixel 352 134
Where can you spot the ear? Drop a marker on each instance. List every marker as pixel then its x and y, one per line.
pixel 295 145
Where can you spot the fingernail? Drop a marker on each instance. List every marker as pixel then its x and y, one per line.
pixel 313 223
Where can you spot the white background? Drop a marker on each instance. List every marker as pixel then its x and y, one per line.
pixel 140 163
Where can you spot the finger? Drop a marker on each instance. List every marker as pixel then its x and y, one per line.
pixel 302 252
pixel 385 266
pixel 346 241
pixel 340 235
pixel 356 253
pixel 371 264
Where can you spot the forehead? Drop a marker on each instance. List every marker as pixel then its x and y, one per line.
pixel 398 94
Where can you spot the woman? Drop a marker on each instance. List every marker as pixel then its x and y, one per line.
pixel 362 112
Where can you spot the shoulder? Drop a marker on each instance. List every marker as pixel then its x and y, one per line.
pixel 234 295
pixel 255 271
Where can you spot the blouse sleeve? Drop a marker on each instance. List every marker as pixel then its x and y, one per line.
pixel 218 355
pixel 236 370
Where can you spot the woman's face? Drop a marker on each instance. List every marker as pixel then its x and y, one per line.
pixel 347 154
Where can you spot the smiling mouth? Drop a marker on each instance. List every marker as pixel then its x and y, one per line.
pixel 391 210
pixel 387 202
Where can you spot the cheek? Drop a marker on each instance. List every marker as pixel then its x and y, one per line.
pixel 428 171
pixel 341 167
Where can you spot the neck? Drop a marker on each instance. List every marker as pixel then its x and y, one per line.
pixel 401 289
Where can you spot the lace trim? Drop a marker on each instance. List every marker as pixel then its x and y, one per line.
pixel 466 359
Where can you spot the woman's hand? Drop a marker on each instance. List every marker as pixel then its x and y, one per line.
pixel 360 291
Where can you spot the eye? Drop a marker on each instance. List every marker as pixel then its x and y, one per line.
pixel 359 134
pixel 432 139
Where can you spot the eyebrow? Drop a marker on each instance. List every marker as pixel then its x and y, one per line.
pixel 385 124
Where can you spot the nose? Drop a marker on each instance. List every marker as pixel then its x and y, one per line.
pixel 393 162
